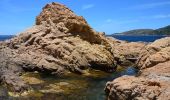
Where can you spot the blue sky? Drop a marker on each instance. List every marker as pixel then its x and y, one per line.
pixel 108 16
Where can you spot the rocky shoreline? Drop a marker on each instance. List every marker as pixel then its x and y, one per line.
pixel 61 42
pixel 153 80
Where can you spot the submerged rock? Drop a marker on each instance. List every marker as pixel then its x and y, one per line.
pixel 153 80
pixel 3 93
pixel 60 41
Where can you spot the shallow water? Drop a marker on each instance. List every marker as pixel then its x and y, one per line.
pixel 70 86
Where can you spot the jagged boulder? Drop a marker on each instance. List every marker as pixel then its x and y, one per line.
pixel 60 41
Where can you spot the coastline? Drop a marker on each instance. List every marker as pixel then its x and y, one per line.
pixel 61 56
pixel 136 35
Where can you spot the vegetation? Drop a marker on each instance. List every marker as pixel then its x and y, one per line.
pixel 160 31
pixel 164 30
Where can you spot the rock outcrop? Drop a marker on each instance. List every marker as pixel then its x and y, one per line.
pixel 155 53
pixel 126 53
pixel 59 42
pixel 10 70
pixel 153 79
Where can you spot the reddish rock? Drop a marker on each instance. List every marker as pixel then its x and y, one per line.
pixel 132 88
pixel 155 53
pixel 153 80
pixel 127 53
pixel 59 42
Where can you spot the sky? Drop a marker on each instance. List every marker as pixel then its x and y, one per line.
pixel 109 16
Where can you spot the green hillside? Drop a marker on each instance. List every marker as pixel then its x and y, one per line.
pixel 160 31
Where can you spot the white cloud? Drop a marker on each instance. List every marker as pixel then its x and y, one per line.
pixel 109 20
pixel 151 5
pixel 161 16
pixel 139 19
pixel 88 6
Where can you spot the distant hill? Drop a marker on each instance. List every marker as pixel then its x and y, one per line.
pixel 164 30
pixel 160 31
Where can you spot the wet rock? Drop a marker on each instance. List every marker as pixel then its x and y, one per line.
pixel 3 93
pixel 32 80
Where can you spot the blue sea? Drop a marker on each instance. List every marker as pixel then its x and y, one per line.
pixel 5 37
pixel 138 38
pixel 120 37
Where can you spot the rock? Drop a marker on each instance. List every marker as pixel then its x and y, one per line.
pixel 130 49
pixel 152 84
pixel 72 48
pixel 153 80
pixel 3 93
pixel 60 41
pixel 10 71
pixel 155 53
pixel 126 53
pixel 132 88
pixel 32 80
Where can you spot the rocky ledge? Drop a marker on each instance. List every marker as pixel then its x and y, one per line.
pixel 153 79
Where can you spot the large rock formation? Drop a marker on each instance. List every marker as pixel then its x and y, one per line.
pixel 59 42
pixel 153 80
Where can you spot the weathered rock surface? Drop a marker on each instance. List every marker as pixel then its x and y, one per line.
pixel 153 80
pixel 127 53
pixel 59 42
pixel 10 70
pixel 155 53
